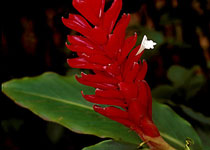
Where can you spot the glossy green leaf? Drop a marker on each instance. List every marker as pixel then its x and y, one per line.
pixel 58 99
pixel 202 127
pixel 173 128
pixel 112 145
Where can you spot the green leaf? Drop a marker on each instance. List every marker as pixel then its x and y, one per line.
pixel 196 115
pixel 163 91
pixel 58 99
pixel 195 83
pixel 185 81
pixel 178 75
pixel 204 133
pixel 203 126
pixel 112 145
pixel 173 128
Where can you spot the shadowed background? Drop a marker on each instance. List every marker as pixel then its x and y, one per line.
pixel 33 41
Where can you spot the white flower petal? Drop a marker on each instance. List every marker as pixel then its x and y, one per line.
pixel 146 44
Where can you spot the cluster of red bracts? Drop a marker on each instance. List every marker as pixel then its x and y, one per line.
pixel 118 74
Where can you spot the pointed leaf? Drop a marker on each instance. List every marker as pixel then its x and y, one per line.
pixel 58 99
pixel 173 128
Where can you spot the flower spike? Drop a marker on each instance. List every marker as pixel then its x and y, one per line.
pixel 118 74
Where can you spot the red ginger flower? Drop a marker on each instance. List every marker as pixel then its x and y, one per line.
pixel 118 76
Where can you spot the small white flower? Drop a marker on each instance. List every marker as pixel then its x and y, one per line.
pixel 146 44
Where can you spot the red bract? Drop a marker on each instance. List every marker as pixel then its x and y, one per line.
pixel 118 72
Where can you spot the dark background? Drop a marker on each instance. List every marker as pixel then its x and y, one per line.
pixel 33 41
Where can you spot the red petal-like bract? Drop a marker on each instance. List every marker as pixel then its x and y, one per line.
pixel 118 72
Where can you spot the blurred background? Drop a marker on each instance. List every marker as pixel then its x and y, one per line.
pixel 33 42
